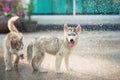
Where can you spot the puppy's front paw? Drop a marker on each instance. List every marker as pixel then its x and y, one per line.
pixel 43 70
pixel 59 72
pixel 34 70
pixel 8 69
pixel 15 65
pixel 69 69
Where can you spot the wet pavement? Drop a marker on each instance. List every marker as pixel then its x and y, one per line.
pixel 96 57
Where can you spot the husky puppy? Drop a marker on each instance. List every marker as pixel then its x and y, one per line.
pixel 13 44
pixel 61 47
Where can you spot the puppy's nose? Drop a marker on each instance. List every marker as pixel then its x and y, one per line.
pixel 71 40
pixel 21 55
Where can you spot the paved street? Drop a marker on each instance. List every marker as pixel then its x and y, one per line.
pixel 96 57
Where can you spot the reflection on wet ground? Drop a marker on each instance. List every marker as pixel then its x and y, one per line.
pixel 96 57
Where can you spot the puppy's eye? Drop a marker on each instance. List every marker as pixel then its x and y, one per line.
pixel 19 43
pixel 71 34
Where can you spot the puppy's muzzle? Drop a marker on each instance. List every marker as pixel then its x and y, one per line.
pixel 71 43
pixel 71 40
pixel 21 56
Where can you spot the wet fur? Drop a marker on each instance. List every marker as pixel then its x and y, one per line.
pixel 13 43
pixel 53 45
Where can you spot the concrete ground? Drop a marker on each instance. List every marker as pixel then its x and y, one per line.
pixel 96 57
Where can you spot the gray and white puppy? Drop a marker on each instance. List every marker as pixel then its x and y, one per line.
pixel 61 47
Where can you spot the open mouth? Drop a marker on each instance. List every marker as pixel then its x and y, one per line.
pixel 71 44
pixel 22 56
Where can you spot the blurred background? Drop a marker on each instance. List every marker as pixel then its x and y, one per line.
pixel 52 14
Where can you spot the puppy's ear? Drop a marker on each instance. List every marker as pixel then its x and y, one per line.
pixel 65 27
pixel 78 28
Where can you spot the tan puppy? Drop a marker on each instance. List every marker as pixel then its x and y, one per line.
pixel 61 47
pixel 13 44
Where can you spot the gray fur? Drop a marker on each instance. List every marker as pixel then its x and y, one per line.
pixel 29 52
pixel 55 46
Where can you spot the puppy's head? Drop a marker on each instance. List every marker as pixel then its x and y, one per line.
pixel 16 43
pixel 71 34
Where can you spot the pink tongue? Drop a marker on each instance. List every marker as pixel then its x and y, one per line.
pixel 71 45
pixel 21 57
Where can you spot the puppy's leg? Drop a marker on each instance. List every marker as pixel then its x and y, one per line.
pixel 8 61
pixel 16 61
pixel 58 61
pixel 41 57
pixel 34 63
pixel 66 60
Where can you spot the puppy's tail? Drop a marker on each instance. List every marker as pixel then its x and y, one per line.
pixel 11 25
pixel 29 52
